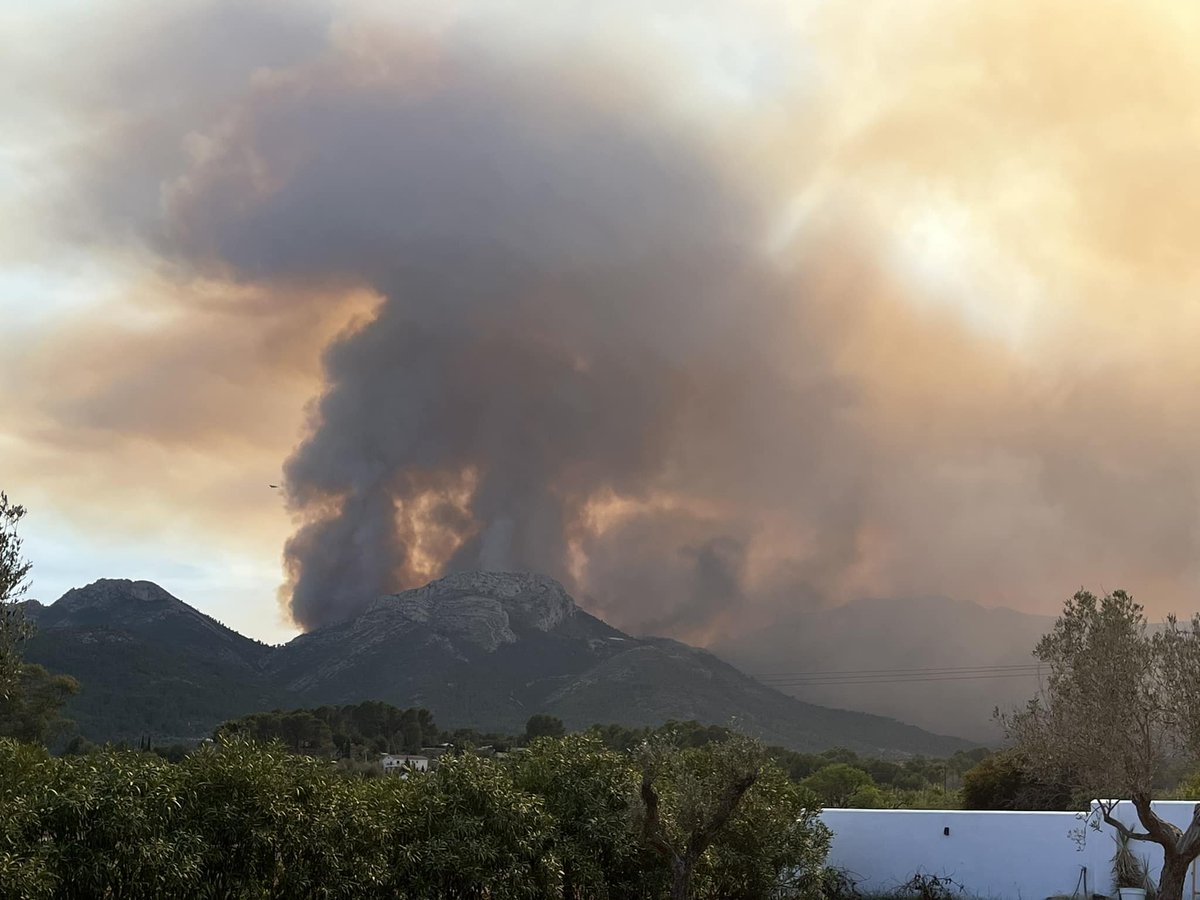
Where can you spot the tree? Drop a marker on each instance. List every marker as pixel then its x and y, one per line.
pixel 587 790
pixel 1003 781
pixel 1118 705
pixel 688 796
pixel 466 830
pixel 30 713
pixel 30 697
pixel 774 846
pixel 14 580
pixel 835 784
pixel 542 725
pixel 239 819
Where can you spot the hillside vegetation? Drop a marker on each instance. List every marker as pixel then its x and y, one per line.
pixel 838 777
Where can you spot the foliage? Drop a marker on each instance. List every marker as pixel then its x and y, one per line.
pixel 170 687
pixel 542 725
pixel 620 737
pixel 923 886
pixel 31 712
pixel 1118 708
pixel 1003 781
pixel 836 783
pixel 1129 869
pixel 14 579
pixel 918 782
pixel 30 697
pixel 30 780
pixel 773 847
pixel 838 884
pixel 1188 788
pixel 357 731
pixel 587 789
pixel 355 734
pixel 867 796
pixel 722 819
pixel 240 820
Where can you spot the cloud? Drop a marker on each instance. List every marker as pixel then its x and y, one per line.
pixel 899 304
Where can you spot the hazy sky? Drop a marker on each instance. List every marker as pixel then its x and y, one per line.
pixel 713 312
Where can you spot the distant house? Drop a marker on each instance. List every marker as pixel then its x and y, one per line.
pixel 401 763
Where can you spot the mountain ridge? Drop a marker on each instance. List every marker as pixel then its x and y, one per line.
pixel 483 650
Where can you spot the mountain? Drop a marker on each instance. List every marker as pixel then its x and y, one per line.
pixel 147 661
pixel 903 634
pixel 483 650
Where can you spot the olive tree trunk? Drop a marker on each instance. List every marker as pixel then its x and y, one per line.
pixel 1173 878
pixel 681 877
pixel 683 860
pixel 1180 848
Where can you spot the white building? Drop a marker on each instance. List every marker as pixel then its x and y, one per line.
pixel 403 762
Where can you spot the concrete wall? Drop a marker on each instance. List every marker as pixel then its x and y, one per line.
pixel 995 855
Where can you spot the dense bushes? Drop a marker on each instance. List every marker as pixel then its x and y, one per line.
pixel 1002 781
pixel 358 731
pixel 239 820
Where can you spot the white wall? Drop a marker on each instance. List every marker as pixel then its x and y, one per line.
pixel 994 855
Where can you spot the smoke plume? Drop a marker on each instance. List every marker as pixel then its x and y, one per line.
pixel 711 315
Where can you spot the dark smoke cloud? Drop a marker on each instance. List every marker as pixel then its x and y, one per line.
pixel 684 362
pixel 557 279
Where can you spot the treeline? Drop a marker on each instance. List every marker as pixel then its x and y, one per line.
pixel 569 818
pixel 345 732
pixel 363 731
pixel 840 778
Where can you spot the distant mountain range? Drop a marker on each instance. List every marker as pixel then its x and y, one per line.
pixel 482 650
pixel 941 664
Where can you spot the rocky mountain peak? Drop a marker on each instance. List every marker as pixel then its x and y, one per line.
pixel 485 608
pixel 119 597
pixel 134 606
pixel 531 601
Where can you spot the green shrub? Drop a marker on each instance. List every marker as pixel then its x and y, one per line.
pixel 774 847
pixel 239 820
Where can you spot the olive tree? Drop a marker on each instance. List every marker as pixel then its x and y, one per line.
pixel 689 795
pixel 14 579
pixel 30 697
pixel 1118 704
pixel 466 830
pixel 774 846
pixel 587 790
pixel 837 783
pixel 32 710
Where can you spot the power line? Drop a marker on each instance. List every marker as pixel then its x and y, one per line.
pixel 828 677
pixel 934 669
pixel 898 680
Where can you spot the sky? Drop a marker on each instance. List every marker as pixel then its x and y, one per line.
pixel 716 311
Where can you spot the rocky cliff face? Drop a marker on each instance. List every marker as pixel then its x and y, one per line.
pixel 485 609
pixel 482 642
